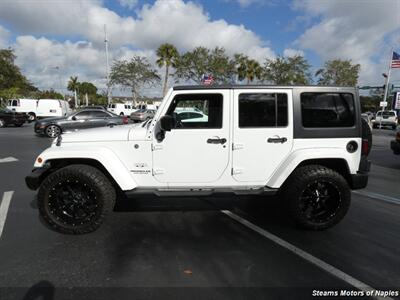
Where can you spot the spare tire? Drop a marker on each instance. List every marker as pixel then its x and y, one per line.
pixel 366 134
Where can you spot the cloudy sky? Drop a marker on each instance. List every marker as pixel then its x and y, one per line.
pixel 69 33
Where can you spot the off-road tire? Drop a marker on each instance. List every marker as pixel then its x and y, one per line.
pixel 297 184
pixel 94 179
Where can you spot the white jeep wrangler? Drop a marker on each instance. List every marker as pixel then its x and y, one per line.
pixel 303 143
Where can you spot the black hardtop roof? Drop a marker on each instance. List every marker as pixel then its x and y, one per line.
pixel 263 86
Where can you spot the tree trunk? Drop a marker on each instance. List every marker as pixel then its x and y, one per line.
pixel 165 80
pixel 76 99
pixel 87 99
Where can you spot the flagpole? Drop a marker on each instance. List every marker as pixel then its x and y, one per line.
pixel 388 77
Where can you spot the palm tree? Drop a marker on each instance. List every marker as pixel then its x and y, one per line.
pixel 247 68
pixel 253 71
pixel 167 56
pixel 73 85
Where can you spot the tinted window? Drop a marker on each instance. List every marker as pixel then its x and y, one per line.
pixel 82 115
pixel 14 103
pixel 327 109
pixel 98 114
pixel 263 110
pixel 209 104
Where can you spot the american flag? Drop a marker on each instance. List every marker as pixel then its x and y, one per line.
pixel 395 60
pixel 207 79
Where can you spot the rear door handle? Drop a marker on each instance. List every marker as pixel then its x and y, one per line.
pixel 277 140
pixel 216 141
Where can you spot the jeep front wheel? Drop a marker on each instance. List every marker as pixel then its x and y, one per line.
pixel 75 199
pixel 317 197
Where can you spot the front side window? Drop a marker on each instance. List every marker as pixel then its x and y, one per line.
pixel 98 114
pixel 327 110
pixel 207 106
pixel 82 115
pixel 263 110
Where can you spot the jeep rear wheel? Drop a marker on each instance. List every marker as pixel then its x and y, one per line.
pixel 317 197
pixel 75 199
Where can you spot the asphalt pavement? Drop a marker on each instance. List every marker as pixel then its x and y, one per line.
pixel 241 248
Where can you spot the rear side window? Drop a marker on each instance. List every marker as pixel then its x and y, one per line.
pixel 263 110
pixel 327 110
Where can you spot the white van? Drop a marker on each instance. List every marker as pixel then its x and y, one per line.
pixel 28 106
pixel 120 109
pixel 52 108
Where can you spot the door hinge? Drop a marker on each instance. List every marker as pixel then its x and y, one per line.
pixel 156 147
pixel 236 171
pixel 237 146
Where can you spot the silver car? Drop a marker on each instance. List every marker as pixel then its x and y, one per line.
pixel 87 118
pixel 142 115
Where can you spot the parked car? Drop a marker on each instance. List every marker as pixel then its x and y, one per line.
pixel 385 118
pixel 93 107
pixel 28 106
pixel 120 109
pixel 191 115
pixel 395 144
pixel 142 115
pixel 52 108
pixel 8 117
pixel 304 144
pixel 53 127
pixel 367 119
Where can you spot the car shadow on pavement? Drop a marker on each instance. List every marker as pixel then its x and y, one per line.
pixel 44 290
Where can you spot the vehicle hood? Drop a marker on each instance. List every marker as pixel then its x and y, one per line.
pixel 102 134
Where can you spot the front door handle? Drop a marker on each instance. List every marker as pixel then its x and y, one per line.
pixel 277 140
pixel 216 141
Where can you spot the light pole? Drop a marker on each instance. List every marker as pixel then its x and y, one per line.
pixel 107 65
pixel 59 81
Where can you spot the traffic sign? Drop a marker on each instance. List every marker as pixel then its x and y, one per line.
pixel 383 104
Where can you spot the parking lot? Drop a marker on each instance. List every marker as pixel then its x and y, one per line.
pixel 218 248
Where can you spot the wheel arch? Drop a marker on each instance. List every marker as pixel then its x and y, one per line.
pixel 103 159
pixel 337 164
pixel 331 160
pixel 58 163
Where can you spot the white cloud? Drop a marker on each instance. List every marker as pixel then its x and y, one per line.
pixel 4 35
pixel 130 4
pixel 186 25
pixel 352 30
pixel 289 52
pixel 39 58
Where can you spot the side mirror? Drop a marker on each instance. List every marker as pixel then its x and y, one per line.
pixel 167 123
pixel 73 118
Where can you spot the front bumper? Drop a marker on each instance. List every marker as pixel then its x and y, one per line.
pixel 39 129
pixel 34 180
